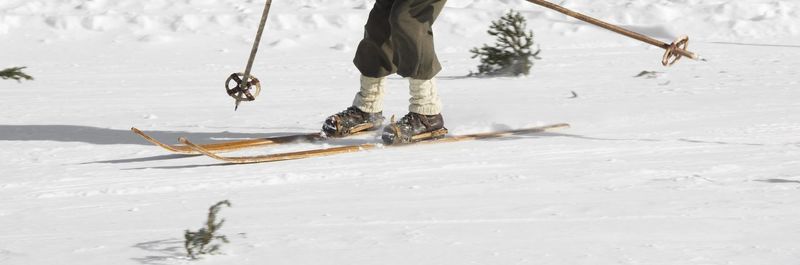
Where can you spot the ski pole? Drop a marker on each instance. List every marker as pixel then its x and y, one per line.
pixel 674 51
pixel 242 90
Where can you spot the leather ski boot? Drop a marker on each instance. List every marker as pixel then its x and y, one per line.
pixel 414 127
pixel 350 121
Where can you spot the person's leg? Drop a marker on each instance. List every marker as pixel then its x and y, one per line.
pixel 415 56
pixel 424 97
pixel 412 37
pixel 370 97
pixel 375 53
pixel 374 60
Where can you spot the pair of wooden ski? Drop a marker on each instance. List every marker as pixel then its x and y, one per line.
pixel 212 150
pixel 228 146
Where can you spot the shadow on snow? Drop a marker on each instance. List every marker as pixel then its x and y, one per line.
pixel 166 251
pixel 779 181
pixel 106 136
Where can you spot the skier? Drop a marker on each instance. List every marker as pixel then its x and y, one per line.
pixel 397 39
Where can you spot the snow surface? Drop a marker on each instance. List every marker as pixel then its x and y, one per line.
pixel 694 164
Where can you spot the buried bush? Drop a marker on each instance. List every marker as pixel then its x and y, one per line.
pixel 15 73
pixel 207 240
pixel 513 52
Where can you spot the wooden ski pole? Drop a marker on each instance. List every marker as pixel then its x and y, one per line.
pixel 674 51
pixel 244 83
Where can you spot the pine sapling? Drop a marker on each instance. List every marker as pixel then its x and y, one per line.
pixel 15 73
pixel 201 242
pixel 512 54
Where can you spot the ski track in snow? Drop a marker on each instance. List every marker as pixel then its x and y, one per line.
pixel 693 164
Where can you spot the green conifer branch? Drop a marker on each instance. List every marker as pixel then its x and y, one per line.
pixel 512 53
pixel 15 73
pixel 200 242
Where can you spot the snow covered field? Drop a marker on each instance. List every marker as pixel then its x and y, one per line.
pixel 694 164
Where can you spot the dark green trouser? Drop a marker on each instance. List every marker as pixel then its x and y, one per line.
pixel 398 39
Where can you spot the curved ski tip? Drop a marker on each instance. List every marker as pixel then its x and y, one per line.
pixel 135 130
pixel 183 140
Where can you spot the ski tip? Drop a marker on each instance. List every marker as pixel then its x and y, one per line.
pixel 183 140
pixel 133 129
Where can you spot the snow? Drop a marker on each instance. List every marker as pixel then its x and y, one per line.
pixel 693 164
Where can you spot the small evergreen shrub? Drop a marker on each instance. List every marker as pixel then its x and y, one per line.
pixel 512 54
pixel 202 241
pixel 15 73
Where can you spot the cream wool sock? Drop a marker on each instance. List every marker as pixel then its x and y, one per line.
pixel 424 97
pixel 370 98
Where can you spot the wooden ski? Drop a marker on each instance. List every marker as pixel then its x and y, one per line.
pixel 361 147
pixel 227 146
